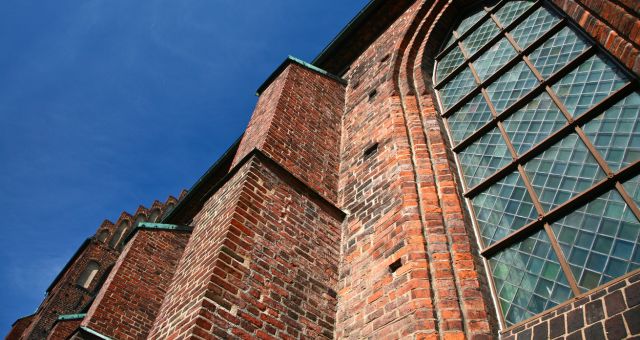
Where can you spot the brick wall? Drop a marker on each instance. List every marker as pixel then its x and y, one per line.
pixel 18 328
pixel 131 297
pixel 262 262
pixel 63 329
pixel 297 123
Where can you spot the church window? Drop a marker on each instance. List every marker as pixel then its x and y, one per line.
pixel 545 127
pixel 88 274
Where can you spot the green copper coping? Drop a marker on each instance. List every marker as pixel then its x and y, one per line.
pixel 157 226
pixel 94 333
pixel 292 59
pixel 71 317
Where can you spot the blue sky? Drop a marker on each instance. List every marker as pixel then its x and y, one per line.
pixel 106 105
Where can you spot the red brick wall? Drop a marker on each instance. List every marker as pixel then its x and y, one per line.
pixel 63 329
pixel 131 297
pixel 18 328
pixel 297 123
pixel 262 262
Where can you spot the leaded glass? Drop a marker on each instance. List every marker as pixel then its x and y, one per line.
pixel 616 132
pixel 451 40
pixel 469 21
pixel 600 240
pixel 484 157
pixel 502 208
pixel 533 122
pixel 562 171
pixel 533 27
pixel 528 278
pixel 511 10
pixel 449 62
pixel 556 52
pixel 456 88
pixel 469 118
pixel 632 186
pixel 588 84
pixel 512 85
pixel 480 36
pixel 494 58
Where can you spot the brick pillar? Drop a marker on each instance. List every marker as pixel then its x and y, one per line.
pixel 130 299
pixel 263 260
pixel 63 329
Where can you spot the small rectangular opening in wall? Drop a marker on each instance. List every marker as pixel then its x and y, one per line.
pixel 395 265
pixel 385 58
pixel 373 94
pixel 370 151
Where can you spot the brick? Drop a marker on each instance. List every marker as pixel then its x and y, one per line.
pixel 556 326
pixel 614 303
pixel 632 293
pixel 631 317
pixel 594 331
pixel 541 331
pixel 575 320
pixel 594 312
pixel 615 329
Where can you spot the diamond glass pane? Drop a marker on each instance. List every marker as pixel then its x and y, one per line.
pixel 469 21
pixel 533 122
pixel 457 87
pixel 451 40
pixel 502 208
pixel 536 24
pixel 484 157
pixel 600 240
pixel 632 187
pixel 491 60
pixel 528 278
pixel 480 36
pixel 469 118
pixel 588 84
pixel 616 132
pixel 556 52
pixel 511 10
pixel 512 85
pixel 449 62
pixel 562 171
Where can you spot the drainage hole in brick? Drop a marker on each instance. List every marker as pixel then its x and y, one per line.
pixel 395 265
pixel 370 151
pixel 385 58
pixel 373 94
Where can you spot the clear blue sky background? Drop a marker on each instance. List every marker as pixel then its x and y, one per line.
pixel 106 105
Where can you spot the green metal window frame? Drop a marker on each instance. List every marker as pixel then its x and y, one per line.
pixel 613 179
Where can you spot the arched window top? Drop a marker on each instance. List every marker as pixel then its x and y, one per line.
pixel 155 214
pixel 546 132
pixel 86 277
pixel 118 235
pixel 103 235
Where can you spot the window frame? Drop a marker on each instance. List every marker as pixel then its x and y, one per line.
pixel 613 180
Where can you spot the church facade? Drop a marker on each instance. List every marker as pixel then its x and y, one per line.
pixel 444 169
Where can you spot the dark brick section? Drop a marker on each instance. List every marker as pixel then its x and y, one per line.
pixel 63 329
pixel 613 311
pixel 19 327
pixel 129 302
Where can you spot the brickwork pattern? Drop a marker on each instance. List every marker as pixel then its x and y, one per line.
pixel 612 312
pixel 63 329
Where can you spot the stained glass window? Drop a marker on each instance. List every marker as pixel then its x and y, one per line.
pixel 549 150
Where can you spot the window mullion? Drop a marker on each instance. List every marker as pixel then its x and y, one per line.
pixel 566 269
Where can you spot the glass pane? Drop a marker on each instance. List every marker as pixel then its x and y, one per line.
pixel 469 21
pixel 512 85
pixel 502 208
pixel 562 171
pixel 588 84
pixel 457 88
pixel 556 52
pixel 484 157
pixel 449 62
pixel 536 24
pixel 528 278
pixel 469 118
pixel 451 40
pixel 599 240
pixel 534 122
pixel 511 10
pixel 616 132
pixel 491 60
pixel 632 187
pixel 480 36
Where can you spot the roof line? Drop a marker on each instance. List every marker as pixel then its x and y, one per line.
pixel 291 59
